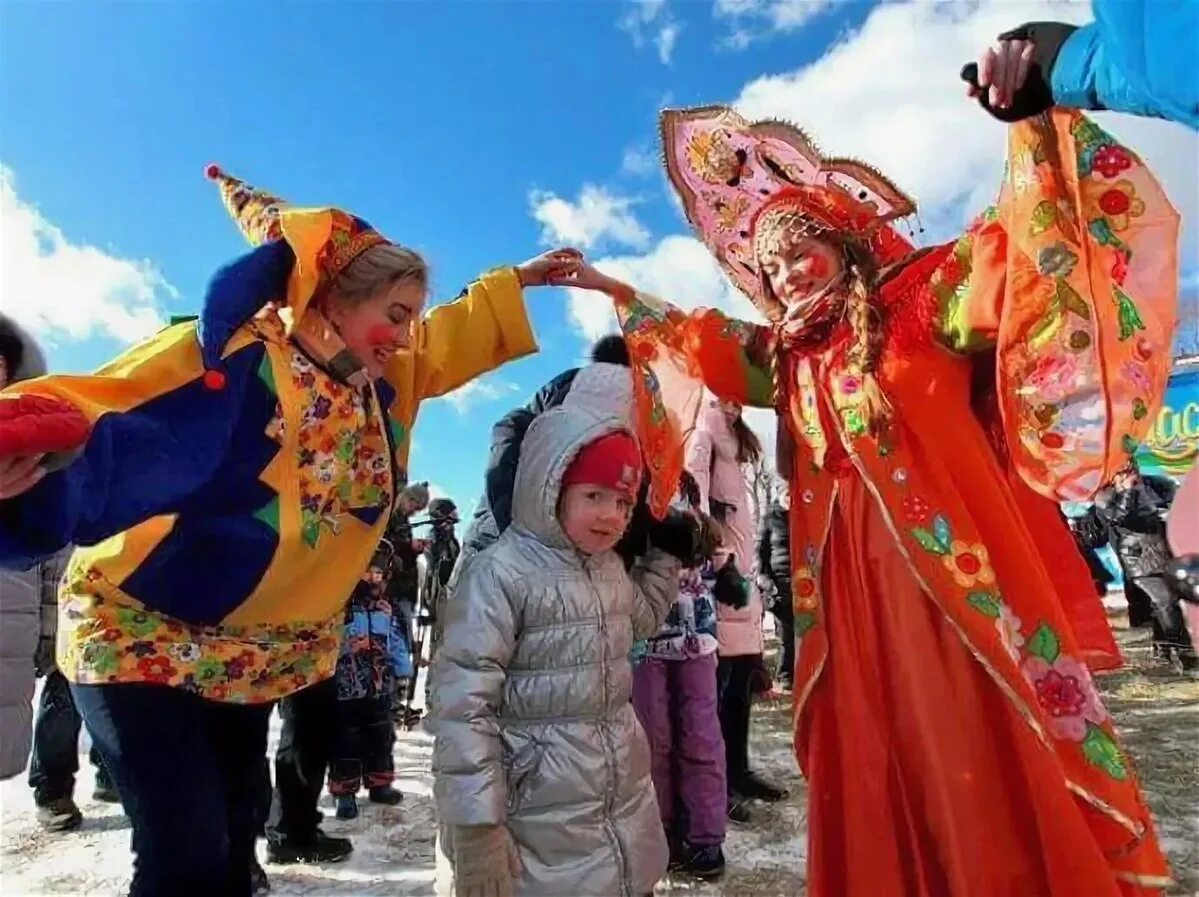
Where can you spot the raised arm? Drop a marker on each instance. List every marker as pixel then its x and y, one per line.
pixel 674 355
pixel 158 437
pixel 1073 278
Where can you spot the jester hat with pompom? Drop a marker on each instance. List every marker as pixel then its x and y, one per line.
pixel 298 251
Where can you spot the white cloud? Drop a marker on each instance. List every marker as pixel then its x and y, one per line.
pixel 480 391
pixel 665 41
pixel 750 20
pixel 596 217
pixel 639 161
pixel 880 96
pixel 64 291
pixel 651 21
pixel 679 269
pixel 867 98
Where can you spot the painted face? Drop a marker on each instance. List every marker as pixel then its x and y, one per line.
pixel 376 328
pixel 594 517
pixel 800 270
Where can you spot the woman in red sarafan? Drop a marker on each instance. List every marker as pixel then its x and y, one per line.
pixel 953 740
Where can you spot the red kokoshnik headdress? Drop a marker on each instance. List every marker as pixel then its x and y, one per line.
pixel 743 185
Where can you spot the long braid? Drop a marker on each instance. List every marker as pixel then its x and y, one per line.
pixel 865 352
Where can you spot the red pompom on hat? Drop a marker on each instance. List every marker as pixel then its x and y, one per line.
pixel 613 461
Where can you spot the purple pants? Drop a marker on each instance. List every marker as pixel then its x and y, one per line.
pixel 675 702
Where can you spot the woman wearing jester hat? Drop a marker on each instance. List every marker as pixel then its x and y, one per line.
pixel 233 478
pixel 953 740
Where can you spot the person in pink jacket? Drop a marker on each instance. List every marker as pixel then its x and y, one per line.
pixel 1182 530
pixel 716 452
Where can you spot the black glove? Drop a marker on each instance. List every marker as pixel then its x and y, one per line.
pixel 1185 571
pixel 678 534
pixel 731 588
pixel 1036 95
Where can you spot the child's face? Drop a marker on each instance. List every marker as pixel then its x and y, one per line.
pixel 594 517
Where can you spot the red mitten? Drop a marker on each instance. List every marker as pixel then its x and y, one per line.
pixel 40 425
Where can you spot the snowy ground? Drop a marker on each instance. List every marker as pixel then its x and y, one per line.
pixel 1157 710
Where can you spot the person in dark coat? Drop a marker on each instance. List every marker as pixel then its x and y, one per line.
pixel 441 554
pixel 603 382
pixel 774 572
pixel 494 511
pixel 1130 514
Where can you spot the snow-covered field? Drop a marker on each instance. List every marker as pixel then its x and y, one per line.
pixel 393 846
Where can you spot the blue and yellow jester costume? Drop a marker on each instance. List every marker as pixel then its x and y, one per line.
pixel 241 468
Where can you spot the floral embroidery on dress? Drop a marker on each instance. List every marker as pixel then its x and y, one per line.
pixel 1062 684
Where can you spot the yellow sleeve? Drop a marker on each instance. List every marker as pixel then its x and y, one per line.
pixel 479 331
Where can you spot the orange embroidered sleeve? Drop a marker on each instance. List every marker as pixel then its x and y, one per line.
pixel 675 354
pixel 1073 277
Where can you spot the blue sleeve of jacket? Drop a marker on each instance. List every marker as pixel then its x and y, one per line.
pixel 159 435
pixel 1138 56
pixel 148 458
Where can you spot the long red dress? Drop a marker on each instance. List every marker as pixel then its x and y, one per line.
pixel 953 740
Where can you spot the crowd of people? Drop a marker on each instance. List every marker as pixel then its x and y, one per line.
pixel 220 523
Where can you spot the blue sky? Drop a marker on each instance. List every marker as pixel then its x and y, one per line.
pixel 476 132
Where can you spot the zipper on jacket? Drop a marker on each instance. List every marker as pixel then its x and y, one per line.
pixel 605 737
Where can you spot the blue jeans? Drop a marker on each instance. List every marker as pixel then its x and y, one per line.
pixel 188 772
pixel 55 758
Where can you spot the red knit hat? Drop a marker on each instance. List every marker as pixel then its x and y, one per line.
pixel 613 461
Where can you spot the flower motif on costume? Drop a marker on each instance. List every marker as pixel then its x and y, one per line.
pixel 916 509
pixel 1053 376
pixel 1116 203
pixel 969 564
pixel 712 155
pixel 1024 171
pixel 157 669
pixel 804 589
pixel 1111 160
pixel 185 652
pixel 1136 374
pixel 1066 693
pixel 1056 260
pixel 729 212
pixel 1008 625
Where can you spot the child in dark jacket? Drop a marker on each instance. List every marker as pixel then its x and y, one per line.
pixel 374 655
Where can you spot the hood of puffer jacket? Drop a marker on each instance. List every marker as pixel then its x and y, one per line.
pixel 550 444
pixel 605 389
pixel 33 362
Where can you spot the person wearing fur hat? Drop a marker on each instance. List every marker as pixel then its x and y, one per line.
pixel 234 475
pixel 541 771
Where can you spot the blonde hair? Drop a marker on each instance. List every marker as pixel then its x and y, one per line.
pixel 380 267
